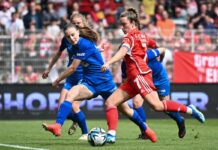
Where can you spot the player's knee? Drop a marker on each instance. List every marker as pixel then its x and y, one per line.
pixel 109 104
pixel 136 104
pixel 158 107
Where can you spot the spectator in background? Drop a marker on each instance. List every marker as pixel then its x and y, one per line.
pixel 30 45
pixel 5 13
pixel 149 6
pixel 15 26
pixel 30 75
pixel 73 7
pixel 98 14
pixel 152 31
pixel 181 17
pixel 201 17
pixel 158 13
pixel 143 17
pixel 191 7
pixel 33 16
pixel 178 40
pixel 189 32
pixel 53 29
pixel 45 45
pixel 215 16
pixel 166 27
pixel 49 14
pixel 86 6
pixel 18 76
pixel 202 40
pixel 22 8
pixel 110 11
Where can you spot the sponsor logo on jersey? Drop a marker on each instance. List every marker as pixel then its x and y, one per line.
pixel 80 54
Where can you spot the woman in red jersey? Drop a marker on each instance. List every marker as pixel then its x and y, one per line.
pixel 139 76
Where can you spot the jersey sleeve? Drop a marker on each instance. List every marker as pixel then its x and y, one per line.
pixel 152 54
pixel 126 42
pixel 151 43
pixel 85 49
pixel 63 45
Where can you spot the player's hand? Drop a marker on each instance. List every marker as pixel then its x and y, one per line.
pixel 105 67
pixel 45 74
pixel 55 84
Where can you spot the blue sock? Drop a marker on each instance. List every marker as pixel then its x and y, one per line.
pixel 81 120
pixel 175 116
pixel 72 116
pixel 137 120
pixel 141 113
pixel 63 112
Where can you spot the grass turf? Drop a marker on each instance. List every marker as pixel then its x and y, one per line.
pixel 31 134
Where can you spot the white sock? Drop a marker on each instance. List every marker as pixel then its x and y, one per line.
pixel 189 111
pixel 112 132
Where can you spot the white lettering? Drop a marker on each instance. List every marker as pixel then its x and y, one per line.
pixel 199 99
pixel 18 102
pixel 53 100
pixel 211 75
pixel 80 54
pixel 36 97
pixel 205 61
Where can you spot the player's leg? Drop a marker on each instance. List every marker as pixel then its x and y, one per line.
pixel 144 85
pixel 163 89
pixel 78 92
pixel 81 120
pixel 135 117
pixel 118 97
pixel 71 116
pixel 138 107
pixel 180 121
pixel 172 106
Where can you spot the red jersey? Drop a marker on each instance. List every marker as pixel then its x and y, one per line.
pixel 136 58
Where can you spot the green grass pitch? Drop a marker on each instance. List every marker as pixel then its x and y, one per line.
pixel 31 134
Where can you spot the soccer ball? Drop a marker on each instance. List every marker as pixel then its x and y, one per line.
pixel 97 136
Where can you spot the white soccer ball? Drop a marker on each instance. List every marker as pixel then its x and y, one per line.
pixel 97 136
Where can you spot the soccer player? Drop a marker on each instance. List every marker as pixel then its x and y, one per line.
pixel 93 83
pixel 72 80
pixel 139 76
pixel 162 83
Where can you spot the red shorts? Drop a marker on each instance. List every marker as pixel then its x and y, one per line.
pixel 141 84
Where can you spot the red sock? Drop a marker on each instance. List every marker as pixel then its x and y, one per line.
pixel 112 118
pixel 172 106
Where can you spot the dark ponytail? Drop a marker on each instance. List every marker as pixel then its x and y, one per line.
pixel 132 16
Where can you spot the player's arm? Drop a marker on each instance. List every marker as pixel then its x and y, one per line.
pixel 70 70
pixel 55 58
pixel 118 56
pixel 154 53
pixel 51 64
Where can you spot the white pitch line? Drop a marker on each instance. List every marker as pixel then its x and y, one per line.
pixel 21 147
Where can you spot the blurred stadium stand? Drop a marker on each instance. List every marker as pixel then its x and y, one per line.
pixel 30 31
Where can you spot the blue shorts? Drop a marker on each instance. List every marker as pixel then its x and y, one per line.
pixel 72 80
pixel 104 89
pixel 163 88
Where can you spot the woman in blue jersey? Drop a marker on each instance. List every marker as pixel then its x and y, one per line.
pixel 73 79
pixel 162 83
pixel 93 83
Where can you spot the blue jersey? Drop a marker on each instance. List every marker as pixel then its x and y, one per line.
pixel 78 74
pixel 159 74
pixel 91 60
